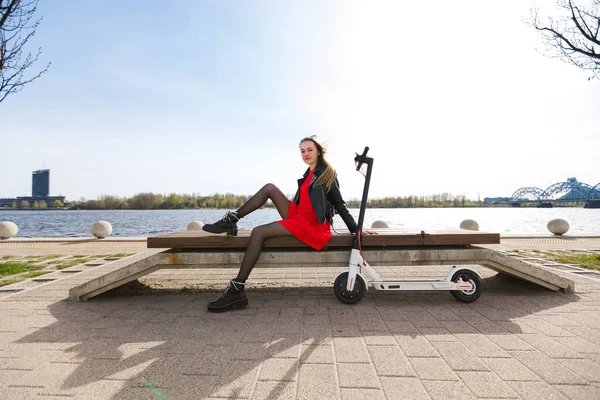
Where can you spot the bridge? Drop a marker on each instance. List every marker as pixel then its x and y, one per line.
pixel 570 191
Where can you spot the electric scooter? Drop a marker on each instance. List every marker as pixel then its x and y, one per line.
pixel 464 283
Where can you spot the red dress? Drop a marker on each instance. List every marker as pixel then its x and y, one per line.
pixel 302 221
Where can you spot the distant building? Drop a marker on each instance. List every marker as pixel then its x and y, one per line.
pixel 40 186
pixel 40 189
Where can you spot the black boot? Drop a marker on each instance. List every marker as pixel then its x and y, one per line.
pixel 227 224
pixel 233 297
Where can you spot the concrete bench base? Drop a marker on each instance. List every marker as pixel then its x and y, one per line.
pixel 494 260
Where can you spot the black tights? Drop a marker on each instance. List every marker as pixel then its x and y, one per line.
pixel 263 232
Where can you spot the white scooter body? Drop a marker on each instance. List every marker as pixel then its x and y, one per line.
pixel 358 266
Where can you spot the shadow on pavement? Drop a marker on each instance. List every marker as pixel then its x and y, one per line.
pixel 138 343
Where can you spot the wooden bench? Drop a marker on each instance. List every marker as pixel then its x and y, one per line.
pixel 388 247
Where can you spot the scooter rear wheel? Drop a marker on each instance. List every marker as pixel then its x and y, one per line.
pixel 346 296
pixel 468 295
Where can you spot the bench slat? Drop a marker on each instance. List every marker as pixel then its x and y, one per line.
pixel 384 237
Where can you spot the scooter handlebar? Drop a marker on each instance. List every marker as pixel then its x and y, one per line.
pixel 360 159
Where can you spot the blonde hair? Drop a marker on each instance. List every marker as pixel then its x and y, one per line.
pixel 326 178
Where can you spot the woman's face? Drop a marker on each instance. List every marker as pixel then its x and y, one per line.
pixel 308 150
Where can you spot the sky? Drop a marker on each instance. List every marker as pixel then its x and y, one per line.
pixel 212 97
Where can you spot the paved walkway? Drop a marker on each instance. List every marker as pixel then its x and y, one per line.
pixel 517 341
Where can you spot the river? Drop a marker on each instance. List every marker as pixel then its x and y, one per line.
pixel 131 223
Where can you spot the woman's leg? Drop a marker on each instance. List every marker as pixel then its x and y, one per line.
pixel 257 239
pixel 269 191
pixel 228 224
pixel 235 296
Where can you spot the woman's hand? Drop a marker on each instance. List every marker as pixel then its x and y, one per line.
pixel 369 232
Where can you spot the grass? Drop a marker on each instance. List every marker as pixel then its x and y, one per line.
pixel 48 257
pixel 590 261
pixel 9 282
pixel 71 263
pixel 33 274
pixel 7 257
pixel 13 268
pixel 22 277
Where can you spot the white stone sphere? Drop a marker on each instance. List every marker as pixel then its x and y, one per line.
pixel 8 229
pixel 469 224
pixel 558 226
pixel 101 229
pixel 195 226
pixel 379 224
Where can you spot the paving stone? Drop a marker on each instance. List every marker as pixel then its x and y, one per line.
pixel 357 376
pixel 458 326
pixel 550 347
pixel 510 369
pixel 510 342
pixel 404 388
pixel 559 320
pixel 345 330
pixel 237 380
pixel 279 369
pixel 480 345
pixel 486 384
pixel 351 350
pixel 552 371
pixel 442 313
pixel 380 340
pixel 269 390
pixel 316 334
pixel 447 390
pixel 353 394
pixel 546 328
pixel 586 369
pixel 259 333
pixel 317 381
pixel 432 369
pixel 578 344
pixel 317 319
pixel 593 335
pixel 342 316
pixel 381 356
pixel 391 313
pixel 579 391
pixel 459 357
pixel 371 323
pixel 415 346
pixel 285 345
pixel 535 390
pixel 422 320
pixel 437 335
pixel 210 360
pixel 317 354
pixel 250 351
pixel 401 326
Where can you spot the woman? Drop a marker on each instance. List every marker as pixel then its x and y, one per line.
pixel 308 217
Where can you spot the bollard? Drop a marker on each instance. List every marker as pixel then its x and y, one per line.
pixel 379 224
pixel 195 226
pixel 558 226
pixel 101 229
pixel 8 229
pixel 469 224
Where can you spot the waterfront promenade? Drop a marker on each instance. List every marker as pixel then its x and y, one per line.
pixel 155 340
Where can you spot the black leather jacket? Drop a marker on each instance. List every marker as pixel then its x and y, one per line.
pixel 326 204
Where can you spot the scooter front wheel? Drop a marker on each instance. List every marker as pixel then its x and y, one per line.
pixel 467 295
pixel 343 294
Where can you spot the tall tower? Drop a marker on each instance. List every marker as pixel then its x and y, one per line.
pixel 40 183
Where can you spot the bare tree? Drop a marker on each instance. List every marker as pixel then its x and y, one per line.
pixel 574 37
pixel 16 28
